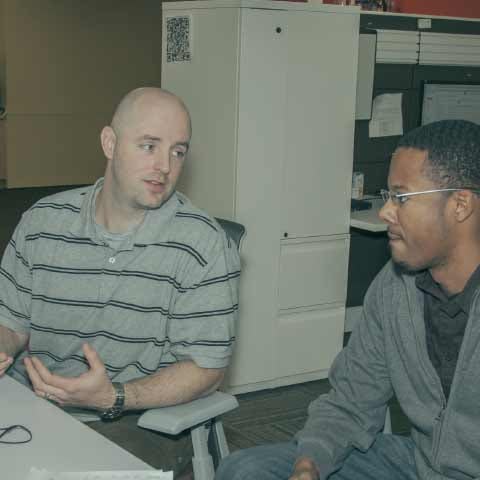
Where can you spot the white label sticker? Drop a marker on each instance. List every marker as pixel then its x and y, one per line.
pixel 424 23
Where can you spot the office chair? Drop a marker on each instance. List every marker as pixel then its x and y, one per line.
pixel 200 416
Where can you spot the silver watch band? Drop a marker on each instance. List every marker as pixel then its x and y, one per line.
pixel 117 408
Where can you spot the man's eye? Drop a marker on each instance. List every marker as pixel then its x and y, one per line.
pixel 179 153
pixel 148 147
pixel 402 199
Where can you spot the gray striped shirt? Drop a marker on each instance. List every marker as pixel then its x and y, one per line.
pixel 168 293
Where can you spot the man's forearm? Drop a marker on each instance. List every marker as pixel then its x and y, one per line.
pixel 178 383
pixel 12 342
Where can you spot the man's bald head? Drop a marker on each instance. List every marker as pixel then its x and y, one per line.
pixel 134 105
pixel 145 147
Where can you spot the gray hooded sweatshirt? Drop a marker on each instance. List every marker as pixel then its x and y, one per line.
pixel 387 354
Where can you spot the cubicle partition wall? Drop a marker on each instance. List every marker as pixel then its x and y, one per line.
pixel 410 52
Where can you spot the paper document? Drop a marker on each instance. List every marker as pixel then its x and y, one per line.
pixel 386 116
pixel 450 102
pixel 42 474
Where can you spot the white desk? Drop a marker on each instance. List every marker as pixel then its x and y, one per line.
pixel 59 443
pixel 369 219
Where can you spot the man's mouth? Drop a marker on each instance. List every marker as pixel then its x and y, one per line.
pixel 393 236
pixel 156 186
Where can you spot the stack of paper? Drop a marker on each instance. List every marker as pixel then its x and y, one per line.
pixel 42 474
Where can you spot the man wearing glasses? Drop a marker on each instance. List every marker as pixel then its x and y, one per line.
pixel 418 338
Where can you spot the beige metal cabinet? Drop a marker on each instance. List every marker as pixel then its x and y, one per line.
pixel 271 89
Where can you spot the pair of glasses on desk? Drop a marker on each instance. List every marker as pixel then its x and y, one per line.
pixel 11 435
pixel 401 198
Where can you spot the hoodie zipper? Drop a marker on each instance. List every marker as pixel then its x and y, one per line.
pixel 439 418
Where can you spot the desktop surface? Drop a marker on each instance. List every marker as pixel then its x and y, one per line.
pixel 59 442
pixel 369 219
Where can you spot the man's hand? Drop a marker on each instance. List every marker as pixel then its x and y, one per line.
pixel 11 343
pixel 305 469
pixel 5 362
pixel 92 389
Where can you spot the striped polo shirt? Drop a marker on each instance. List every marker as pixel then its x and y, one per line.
pixel 166 294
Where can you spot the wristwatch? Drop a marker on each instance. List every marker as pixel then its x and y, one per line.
pixel 116 409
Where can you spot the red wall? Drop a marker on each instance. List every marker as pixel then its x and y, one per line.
pixel 451 8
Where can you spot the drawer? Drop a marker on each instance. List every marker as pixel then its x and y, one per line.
pixel 308 341
pixel 313 272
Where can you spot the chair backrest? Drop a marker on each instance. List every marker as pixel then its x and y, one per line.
pixel 235 231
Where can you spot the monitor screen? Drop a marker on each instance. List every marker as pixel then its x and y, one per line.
pixel 450 101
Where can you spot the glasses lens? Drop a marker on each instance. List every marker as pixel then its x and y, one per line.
pixel 385 195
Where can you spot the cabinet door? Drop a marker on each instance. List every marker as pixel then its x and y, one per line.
pixel 261 121
pixel 208 84
pixel 321 58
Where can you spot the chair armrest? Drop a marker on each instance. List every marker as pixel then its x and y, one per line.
pixel 176 419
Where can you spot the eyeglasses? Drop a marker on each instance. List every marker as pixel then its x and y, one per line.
pixel 401 198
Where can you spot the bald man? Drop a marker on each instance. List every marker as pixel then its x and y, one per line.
pixel 121 296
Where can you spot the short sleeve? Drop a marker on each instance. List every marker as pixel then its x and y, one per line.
pixel 16 281
pixel 203 318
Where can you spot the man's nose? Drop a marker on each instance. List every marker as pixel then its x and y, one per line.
pixel 162 162
pixel 388 213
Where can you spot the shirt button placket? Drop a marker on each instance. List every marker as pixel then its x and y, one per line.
pixel 108 280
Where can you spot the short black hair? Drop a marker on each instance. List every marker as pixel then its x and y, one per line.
pixel 453 152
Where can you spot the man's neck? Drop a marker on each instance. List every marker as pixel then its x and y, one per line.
pixel 454 275
pixel 115 219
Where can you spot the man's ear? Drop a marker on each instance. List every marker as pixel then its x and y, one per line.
pixel 465 204
pixel 108 140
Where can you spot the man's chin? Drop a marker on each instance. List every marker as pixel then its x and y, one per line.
pixel 403 263
pixel 407 266
pixel 153 204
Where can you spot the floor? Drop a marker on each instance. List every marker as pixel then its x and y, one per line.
pixel 275 415
pixel 266 416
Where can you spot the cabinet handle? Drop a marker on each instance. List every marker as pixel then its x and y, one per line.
pixel 278 30
pixel 285 234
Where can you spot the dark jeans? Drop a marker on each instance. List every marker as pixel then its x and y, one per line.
pixel 389 458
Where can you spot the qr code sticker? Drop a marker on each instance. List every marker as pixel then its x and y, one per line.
pixel 178 39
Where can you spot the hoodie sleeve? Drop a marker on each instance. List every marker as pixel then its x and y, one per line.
pixel 353 412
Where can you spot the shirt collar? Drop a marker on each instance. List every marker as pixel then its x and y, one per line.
pixel 153 228
pixel 462 300
pixel 83 226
